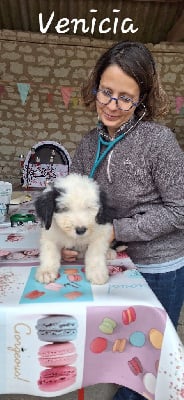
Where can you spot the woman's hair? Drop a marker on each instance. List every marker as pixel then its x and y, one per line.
pixel 135 60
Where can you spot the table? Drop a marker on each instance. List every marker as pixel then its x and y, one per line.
pixel 121 333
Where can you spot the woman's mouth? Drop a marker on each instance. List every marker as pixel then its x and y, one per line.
pixel 111 117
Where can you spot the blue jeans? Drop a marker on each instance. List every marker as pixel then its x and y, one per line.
pixel 168 287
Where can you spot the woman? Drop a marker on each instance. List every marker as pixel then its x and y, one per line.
pixel 140 165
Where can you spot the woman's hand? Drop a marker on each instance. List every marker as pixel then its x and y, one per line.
pixel 69 255
pixel 112 235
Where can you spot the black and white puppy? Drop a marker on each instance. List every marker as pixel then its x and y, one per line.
pixel 74 215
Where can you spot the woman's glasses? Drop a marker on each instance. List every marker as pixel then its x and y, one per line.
pixel 123 103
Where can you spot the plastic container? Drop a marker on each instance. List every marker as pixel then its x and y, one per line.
pixel 21 219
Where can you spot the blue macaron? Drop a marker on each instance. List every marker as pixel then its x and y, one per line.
pixel 57 328
pixel 137 339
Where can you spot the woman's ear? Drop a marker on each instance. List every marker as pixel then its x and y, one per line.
pixel 106 212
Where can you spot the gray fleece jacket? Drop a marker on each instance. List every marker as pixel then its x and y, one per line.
pixel 144 178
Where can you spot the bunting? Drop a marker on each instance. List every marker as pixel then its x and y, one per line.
pixel 66 92
pixel 2 90
pixel 75 102
pixel 49 98
pixel 180 105
pixel 23 89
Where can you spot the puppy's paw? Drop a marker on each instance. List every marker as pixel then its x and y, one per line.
pixel 97 276
pixel 46 275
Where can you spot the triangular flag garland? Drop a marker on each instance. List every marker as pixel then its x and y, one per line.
pixel 23 89
pixel 66 92
pixel 49 98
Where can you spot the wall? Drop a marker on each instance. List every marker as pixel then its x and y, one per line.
pixel 47 63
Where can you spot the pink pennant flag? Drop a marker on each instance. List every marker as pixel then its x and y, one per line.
pixel 66 92
pixel 179 103
pixel 2 89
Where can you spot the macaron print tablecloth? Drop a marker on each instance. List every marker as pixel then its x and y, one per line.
pixel 56 338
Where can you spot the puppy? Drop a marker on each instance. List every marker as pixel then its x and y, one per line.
pixel 74 214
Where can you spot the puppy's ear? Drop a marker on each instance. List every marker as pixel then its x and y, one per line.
pixel 106 211
pixel 45 206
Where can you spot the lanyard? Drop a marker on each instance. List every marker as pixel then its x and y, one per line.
pixel 99 158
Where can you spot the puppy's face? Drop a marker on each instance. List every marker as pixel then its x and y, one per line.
pixel 73 202
pixel 76 209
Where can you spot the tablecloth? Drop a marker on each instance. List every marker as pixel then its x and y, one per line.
pixel 121 333
pixel 124 312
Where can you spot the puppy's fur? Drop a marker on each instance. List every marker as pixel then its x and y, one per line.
pixel 74 215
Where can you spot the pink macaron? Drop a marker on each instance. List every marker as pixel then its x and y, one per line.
pixel 135 366
pixel 128 315
pixel 57 354
pixel 74 278
pixel 57 378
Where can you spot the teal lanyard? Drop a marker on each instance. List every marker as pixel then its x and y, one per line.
pixel 99 158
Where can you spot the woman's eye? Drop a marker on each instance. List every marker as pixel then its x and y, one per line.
pixel 106 92
pixel 125 99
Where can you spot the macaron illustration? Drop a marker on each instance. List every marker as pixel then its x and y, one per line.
pixel 57 354
pixel 155 338
pixel 149 381
pixel 53 286
pixel 35 294
pixel 57 328
pixel 135 366
pixel 57 378
pixel 119 345
pixel 137 339
pixel 74 278
pixel 128 315
pixel 107 326
pixel 73 295
pixel 98 345
pixel 70 271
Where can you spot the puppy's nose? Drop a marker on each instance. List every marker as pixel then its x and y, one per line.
pixel 80 230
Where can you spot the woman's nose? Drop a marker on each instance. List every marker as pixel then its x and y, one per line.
pixel 113 105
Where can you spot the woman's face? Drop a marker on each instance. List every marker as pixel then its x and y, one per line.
pixel 117 83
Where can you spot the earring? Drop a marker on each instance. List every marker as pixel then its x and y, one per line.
pixel 99 122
